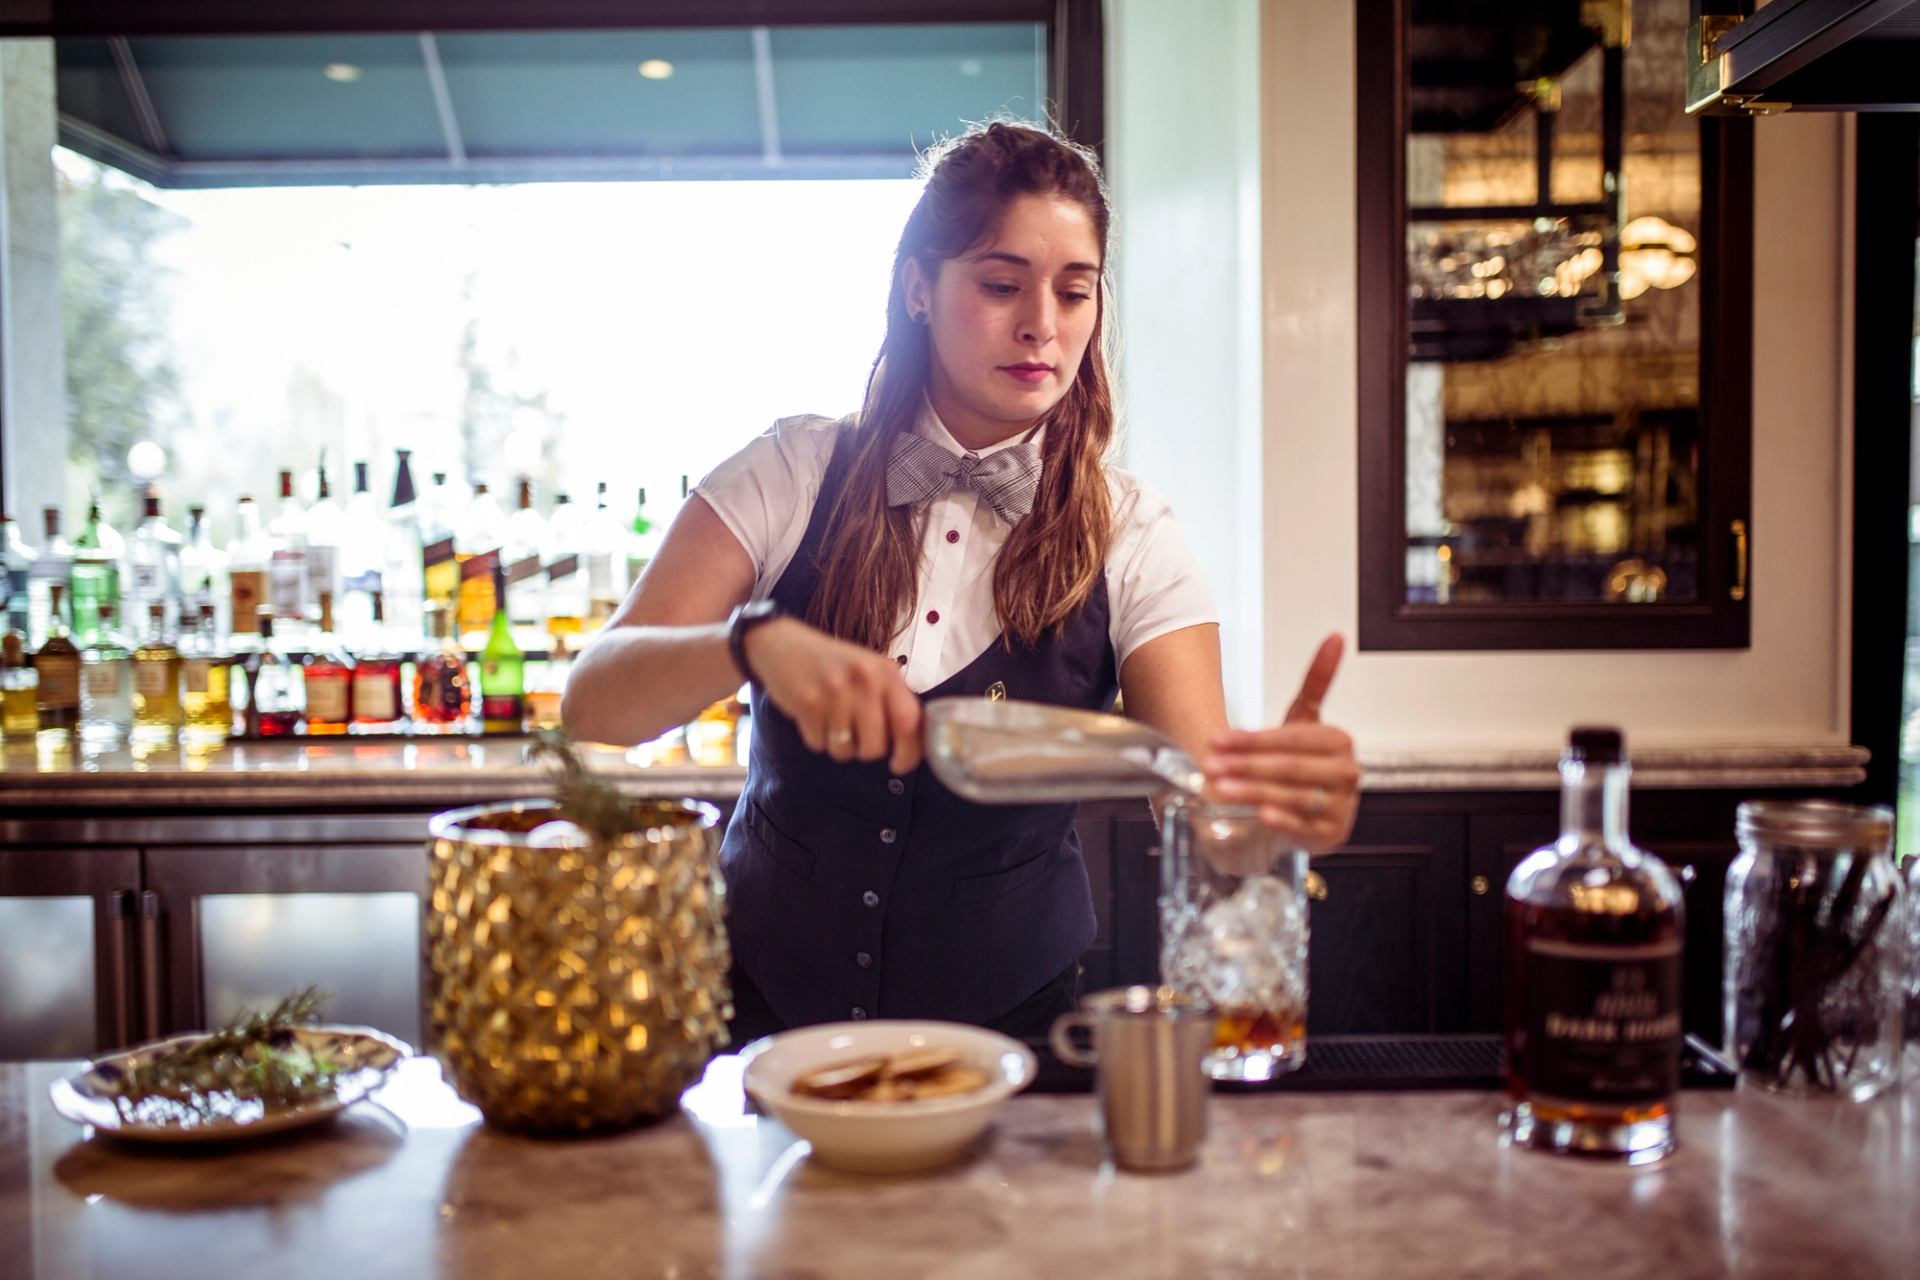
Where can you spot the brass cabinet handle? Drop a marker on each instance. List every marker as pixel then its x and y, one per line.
pixel 1316 886
pixel 1480 886
pixel 1739 588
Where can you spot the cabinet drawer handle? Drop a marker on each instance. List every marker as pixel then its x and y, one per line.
pixel 1739 589
pixel 1316 886
pixel 1480 886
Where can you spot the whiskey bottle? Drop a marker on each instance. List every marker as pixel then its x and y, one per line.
pixel 1593 949
pixel 376 678
pixel 157 711
pixel 205 682
pixel 328 676
pixel 57 696
pixel 442 690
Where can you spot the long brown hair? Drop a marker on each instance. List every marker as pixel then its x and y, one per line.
pixel 1053 558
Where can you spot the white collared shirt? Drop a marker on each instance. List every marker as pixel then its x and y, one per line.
pixel 765 495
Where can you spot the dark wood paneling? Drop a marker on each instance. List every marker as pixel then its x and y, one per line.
pixel 1384 955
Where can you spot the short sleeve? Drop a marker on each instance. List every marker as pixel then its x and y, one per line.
pixel 764 494
pixel 1154 581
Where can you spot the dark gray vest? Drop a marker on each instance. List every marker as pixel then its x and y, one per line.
pixel 853 893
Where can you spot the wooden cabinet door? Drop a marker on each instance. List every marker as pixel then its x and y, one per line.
pixel 69 979
pixel 1387 951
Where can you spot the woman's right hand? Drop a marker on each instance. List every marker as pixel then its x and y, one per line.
pixel 847 701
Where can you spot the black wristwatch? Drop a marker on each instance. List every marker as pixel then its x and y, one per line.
pixel 753 614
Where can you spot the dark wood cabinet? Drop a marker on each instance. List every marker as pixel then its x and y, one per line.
pixel 189 914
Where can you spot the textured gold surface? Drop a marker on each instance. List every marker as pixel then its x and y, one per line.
pixel 576 988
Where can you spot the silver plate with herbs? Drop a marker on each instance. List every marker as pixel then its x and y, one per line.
pixel 240 1082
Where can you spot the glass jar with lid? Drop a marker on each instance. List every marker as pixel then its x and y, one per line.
pixel 1816 934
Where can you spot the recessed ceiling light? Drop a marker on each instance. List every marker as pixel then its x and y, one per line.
pixel 970 67
pixel 656 68
pixel 341 72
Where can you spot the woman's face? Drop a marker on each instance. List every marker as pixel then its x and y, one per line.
pixel 1010 319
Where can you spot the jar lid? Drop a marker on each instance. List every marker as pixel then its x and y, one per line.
pixel 1818 824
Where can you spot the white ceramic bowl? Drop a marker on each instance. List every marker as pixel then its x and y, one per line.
pixel 885 1137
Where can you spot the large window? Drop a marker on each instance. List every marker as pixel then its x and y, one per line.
pixel 580 256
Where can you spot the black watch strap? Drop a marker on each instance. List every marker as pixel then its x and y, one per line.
pixel 745 618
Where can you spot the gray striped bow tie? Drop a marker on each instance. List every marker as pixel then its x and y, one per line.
pixel 1006 480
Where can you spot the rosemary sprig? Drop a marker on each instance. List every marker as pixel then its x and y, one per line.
pixel 591 802
pixel 254 1062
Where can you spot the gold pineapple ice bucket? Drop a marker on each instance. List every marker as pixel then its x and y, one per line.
pixel 577 987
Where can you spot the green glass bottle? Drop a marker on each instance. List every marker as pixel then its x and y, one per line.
pixel 96 573
pixel 503 687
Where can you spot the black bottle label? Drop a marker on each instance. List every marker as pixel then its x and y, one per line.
pixel 1603 1023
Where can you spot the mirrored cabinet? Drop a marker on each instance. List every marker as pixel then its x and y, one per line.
pixel 1554 268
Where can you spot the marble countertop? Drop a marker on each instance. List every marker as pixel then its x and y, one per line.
pixel 442 772
pixel 1290 1184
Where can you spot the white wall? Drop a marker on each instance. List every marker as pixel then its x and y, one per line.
pixel 1183 160
pixel 1177 146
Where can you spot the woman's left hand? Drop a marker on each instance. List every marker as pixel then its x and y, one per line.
pixel 1301 775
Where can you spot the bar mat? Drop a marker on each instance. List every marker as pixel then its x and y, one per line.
pixel 1375 1063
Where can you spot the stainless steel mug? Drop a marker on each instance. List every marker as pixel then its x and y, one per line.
pixel 1150 1046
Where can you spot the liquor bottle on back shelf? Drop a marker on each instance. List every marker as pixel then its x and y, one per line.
pixel 326 530
pixel 276 700
pixel 526 534
pixel 403 578
pixel 377 707
pixel 362 554
pixel 440 563
pixel 53 565
pixel 247 575
pixel 1594 935
pixel 153 562
pixel 287 562
pixel 158 715
pixel 566 594
pixel 602 555
pixel 57 696
pixel 503 686
pixel 106 683
pixel 16 564
pixel 19 690
pixel 642 539
pixel 203 573
pixel 477 540
pixel 442 690
pixel 328 677
pixel 97 554
pixel 205 683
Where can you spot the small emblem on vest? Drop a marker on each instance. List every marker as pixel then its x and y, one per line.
pixel 997 691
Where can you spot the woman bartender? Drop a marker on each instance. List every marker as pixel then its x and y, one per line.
pixel 961 535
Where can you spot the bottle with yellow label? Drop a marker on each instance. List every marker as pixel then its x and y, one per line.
pixel 57 696
pixel 19 687
pixel 206 684
pixel 157 711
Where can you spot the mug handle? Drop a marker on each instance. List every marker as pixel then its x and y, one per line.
pixel 1062 1043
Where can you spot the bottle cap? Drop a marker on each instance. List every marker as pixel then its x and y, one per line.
pixel 1596 744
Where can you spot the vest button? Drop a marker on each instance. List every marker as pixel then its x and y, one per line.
pixel 896 786
pixel 864 960
pixel 933 615
pixel 953 535
pixel 858 1014
pixel 871 898
pixel 888 835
